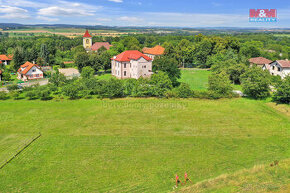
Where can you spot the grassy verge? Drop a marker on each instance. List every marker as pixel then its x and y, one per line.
pixel 260 178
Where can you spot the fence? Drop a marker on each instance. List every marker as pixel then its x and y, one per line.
pixel 19 150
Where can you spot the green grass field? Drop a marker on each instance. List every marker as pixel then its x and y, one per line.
pixel 136 145
pixel 196 78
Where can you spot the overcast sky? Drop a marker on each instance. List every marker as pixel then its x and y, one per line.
pixel 175 13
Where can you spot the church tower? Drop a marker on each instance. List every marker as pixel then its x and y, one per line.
pixel 87 41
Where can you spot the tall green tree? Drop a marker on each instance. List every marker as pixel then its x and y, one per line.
pixel 256 83
pixel 169 66
pixel 44 54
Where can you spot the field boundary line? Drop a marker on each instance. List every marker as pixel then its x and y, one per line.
pixel 26 145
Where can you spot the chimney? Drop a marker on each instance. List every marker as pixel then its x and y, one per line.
pixel 33 62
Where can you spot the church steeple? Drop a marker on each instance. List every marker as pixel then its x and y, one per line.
pixel 87 40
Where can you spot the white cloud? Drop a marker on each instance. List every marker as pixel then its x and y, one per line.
pixel 116 1
pixel 130 19
pixel 50 19
pixel 9 12
pixel 104 19
pixel 24 3
pixel 60 11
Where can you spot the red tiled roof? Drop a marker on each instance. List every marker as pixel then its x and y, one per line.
pixel 27 67
pixel 284 63
pixel 10 56
pixel 87 34
pixel 157 50
pixel 260 60
pixel 130 55
pixel 4 57
pixel 96 46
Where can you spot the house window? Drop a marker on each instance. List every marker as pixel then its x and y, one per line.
pixel 33 70
pixel 125 65
pixel 273 67
pixel 279 69
pixel 88 41
pixel 130 65
pixel 125 73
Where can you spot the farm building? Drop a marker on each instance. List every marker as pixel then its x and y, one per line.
pixel 153 52
pixel 29 71
pixel 131 64
pixel 69 73
pixel 259 61
pixel 280 68
pixel 6 59
pixel 89 46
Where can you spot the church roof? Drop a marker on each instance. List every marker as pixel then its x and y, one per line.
pixel 96 46
pixel 87 34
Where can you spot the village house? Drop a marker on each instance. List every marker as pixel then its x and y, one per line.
pixel 259 61
pixel 279 68
pixel 29 71
pixel 0 75
pixel 153 52
pixel 89 46
pixel 131 64
pixel 6 59
pixel 69 73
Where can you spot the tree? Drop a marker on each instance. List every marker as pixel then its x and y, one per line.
pixel 169 66
pixel 6 76
pixel 57 79
pixel 105 60
pixel 256 82
pixel 82 60
pixel 203 50
pixel 282 93
pixel 40 61
pixel 44 54
pixel 220 84
pixel 71 91
pixel 183 91
pixel 235 71
pixel 161 82
pixel 88 72
pixel 18 58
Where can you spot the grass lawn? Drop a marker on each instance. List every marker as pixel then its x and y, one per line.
pixel 137 145
pixel 196 78
pixel 105 76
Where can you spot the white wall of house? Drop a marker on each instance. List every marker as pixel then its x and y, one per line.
pixel 277 70
pixel 133 69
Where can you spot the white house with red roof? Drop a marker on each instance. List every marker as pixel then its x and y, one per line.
pixel 29 71
pixel 131 64
pixel 6 59
pixel 259 61
pixel 280 68
pixel 89 46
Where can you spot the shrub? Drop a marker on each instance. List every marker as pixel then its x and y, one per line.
pixel 129 85
pixel 3 95
pixel 32 95
pixel 15 95
pixel 12 87
pixel 256 82
pixel 111 88
pixel 282 94
pixel 220 85
pixel 184 91
pixel 87 72
pixel 160 84
pixel 44 94
pixel 71 91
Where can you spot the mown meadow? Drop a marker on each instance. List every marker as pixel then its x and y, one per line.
pixel 135 145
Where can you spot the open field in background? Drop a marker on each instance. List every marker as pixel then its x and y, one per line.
pixel 282 35
pixel 70 32
pixel 137 145
pixel 196 78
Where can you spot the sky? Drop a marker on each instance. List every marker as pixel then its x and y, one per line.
pixel 167 13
